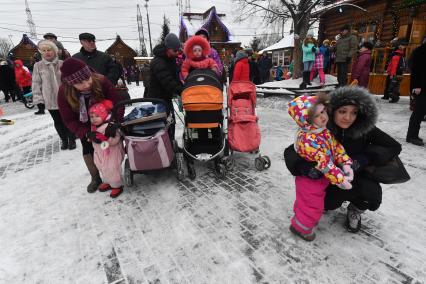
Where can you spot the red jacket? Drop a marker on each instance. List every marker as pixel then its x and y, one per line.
pixel 23 77
pixel 241 70
pixel 71 118
pixel 393 64
pixel 361 68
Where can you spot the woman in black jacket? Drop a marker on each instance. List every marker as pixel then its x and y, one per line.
pixel 353 117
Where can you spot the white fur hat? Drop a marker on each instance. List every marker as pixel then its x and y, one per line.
pixel 48 43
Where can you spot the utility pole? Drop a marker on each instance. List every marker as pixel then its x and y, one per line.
pixel 142 46
pixel 30 21
pixel 149 28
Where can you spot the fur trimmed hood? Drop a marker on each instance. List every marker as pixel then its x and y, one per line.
pixel 367 110
pixel 196 40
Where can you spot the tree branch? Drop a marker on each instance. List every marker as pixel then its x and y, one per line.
pixel 307 12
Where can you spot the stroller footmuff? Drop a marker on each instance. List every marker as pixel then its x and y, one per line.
pixel 243 129
pixel 147 141
pixel 203 139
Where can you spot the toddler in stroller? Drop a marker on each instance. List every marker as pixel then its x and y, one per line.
pixel 148 143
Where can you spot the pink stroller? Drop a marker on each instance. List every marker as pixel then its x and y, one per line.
pixel 243 130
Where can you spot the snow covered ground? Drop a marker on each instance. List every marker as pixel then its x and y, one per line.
pixel 233 230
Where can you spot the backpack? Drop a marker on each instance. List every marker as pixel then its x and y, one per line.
pixel 401 66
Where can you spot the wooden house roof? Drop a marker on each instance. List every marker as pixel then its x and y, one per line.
pixel 120 44
pixel 25 42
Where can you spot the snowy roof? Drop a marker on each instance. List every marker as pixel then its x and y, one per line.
pixel 192 22
pixel 321 10
pixel 285 42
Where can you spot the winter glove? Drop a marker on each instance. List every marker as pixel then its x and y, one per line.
pixel 111 129
pixel 349 173
pixel 94 137
pixel 346 185
pixel 309 171
pixel 314 49
pixel 359 162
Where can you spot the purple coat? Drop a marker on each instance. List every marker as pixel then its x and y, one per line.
pixel 71 118
pixel 361 68
pixel 215 56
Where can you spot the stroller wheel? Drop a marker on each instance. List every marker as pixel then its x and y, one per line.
pixel 220 170
pixel 229 163
pixel 259 163
pixel 128 174
pixel 267 162
pixel 191 171
pixel 179 166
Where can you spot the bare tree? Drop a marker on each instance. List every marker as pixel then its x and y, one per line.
pixel 5 47
pixel 299 11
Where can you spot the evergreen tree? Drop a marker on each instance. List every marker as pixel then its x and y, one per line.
pixel 165 30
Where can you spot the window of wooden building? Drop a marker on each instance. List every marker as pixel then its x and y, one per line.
pixel 367 32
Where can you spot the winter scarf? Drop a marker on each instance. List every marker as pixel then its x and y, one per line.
pixel 84 117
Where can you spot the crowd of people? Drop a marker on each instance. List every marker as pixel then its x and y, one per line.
pixel 328 158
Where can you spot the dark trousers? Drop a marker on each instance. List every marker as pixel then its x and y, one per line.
pixel 342 73
pixel 392 87
pixel 365 194
pixel 417 116
pixel 87 146
pixel 8 94
pixel 60 127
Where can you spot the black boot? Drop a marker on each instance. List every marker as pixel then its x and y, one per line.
pixel 41 111
pixel 64 144
pixel 303 85
pixel 94 173
pixel 71 144
pixel 308 78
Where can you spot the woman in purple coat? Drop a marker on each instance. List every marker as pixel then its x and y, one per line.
pixel 361 66
pixel 213 53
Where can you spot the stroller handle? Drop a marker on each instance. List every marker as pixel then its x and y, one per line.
pixel 132 101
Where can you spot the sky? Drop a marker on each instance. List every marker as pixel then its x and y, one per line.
pixel 107 18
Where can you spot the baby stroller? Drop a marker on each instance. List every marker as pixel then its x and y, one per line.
pixel 243 131
pixel 147 141
pixel 204 138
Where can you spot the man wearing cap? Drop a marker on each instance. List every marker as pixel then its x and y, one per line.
pixel 99 61
pixel 62 52
pixel 164 78
pixel 346 48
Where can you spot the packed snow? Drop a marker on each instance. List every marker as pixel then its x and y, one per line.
pixel 233 230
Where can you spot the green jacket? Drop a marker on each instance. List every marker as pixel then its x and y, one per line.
pixel 308 55
pixel 346 46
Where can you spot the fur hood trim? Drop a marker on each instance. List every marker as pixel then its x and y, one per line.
pixel 196 40
pixel 367 110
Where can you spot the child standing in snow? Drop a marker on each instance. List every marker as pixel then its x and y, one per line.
pixel 108 152
pixel 315 143
pixel 318 67
pixel 309 51
pixel 196 51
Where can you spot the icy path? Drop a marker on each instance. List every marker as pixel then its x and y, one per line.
pixel 233 230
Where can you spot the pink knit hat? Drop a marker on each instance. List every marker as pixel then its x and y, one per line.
pixel 102 109
pixel 74 71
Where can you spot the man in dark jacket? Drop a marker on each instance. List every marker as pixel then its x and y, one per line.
pixel 265 65
pixel 346 48
pixel 7 81
pixel 164 79
pixel 99 61
pixel 418 86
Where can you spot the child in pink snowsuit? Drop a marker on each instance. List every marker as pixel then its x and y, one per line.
pixel 318 67
pixel 108 152
pixel 315 143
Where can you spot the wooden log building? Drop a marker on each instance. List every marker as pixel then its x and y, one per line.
pixel 123 53
pixel 383 21
pixel 24 51
pixel 220 36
